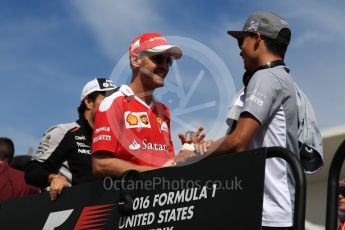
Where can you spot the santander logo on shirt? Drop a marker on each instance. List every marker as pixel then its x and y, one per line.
pixel 134 146
pixel 145 145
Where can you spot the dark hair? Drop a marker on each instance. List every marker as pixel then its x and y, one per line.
pixel 275 46
pixel 92 97
pixel 6 148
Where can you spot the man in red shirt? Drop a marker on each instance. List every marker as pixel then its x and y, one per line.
pixel 132 128
pixel 12 183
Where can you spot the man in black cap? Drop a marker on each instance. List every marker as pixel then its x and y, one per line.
pixel 269 113
pixel 63 157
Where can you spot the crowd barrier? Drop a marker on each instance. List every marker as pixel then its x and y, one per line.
pixel 224 192
pixel 333 187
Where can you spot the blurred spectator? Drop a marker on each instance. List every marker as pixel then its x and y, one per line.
pixel 12 183
pixel 20 162
pixel 341 210
pixel 63 157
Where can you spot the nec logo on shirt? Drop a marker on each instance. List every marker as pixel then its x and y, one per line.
pixel 84 151
pixel 136 120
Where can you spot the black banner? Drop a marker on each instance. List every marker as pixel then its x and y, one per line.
pixel 224 192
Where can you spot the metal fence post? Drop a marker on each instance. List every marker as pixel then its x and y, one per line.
pixel 300 181
pixel 332 188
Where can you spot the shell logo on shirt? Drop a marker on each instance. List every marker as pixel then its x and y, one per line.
pixel 137 120
pixel 131 119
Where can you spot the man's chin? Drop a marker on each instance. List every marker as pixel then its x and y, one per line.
pixel 159 81
pixel 160 85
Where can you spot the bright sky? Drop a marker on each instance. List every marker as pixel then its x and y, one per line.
pixel 50 49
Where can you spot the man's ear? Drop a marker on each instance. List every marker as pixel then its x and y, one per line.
pixel 135 61
pixel 88 103
pixel 258 38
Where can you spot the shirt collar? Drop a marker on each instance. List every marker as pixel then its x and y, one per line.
pixel 128 92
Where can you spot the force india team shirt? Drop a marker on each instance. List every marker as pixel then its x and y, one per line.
pixel 133 131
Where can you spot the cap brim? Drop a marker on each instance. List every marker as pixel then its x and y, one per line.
pixel 236 34
pixel 106 89
pixel 175 51
pixel 94 86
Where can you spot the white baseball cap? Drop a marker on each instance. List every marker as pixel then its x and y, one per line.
pixel 97 84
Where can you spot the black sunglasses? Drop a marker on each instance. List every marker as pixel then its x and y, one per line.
pixel 159 59
pixel 240 39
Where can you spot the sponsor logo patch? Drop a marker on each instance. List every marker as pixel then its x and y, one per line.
pixel 84 151
pixel 164 126
pixel 80 138
pixel 102 129
pixel 101 138
pixel 157 38
pixel 134 146
pixel 82 145
pixel 159 121
pixel 253 26
pixel 137 120
pixel 131 120
pixel 145 144
pixel 135 45
pixel 255 99
pixel 144 119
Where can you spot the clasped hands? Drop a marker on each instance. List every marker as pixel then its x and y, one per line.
pixel 193 147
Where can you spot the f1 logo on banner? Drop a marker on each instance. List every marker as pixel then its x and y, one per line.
pixel 91 217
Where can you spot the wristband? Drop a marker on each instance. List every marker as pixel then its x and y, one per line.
pixel 189 147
